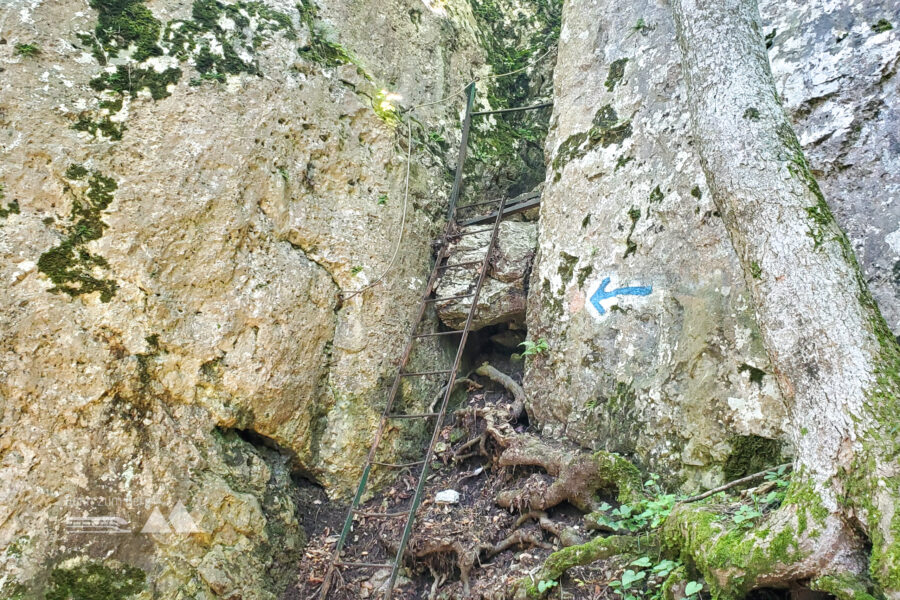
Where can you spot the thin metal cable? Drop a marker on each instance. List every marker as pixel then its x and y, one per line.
pixel 350 294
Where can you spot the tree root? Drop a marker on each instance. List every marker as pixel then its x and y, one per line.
pixel 797 542
pixel 460 380
pixel 584 554
pixel 567 536
pixel 518 393
pixel 579 476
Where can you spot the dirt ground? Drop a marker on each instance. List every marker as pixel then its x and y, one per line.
pixel 451 543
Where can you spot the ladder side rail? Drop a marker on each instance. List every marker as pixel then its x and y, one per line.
pixel 417 498
pixel 435 274
pixel 360 490
pixel 463 149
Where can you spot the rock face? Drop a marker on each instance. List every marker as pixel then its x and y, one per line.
pixel 503 293
pixel 835 65
pixel 653 347
pixel 188 188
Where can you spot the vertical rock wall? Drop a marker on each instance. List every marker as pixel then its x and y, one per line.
pixel 188 186
pixel 653 347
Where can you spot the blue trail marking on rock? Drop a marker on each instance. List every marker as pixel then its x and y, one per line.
pixel 603 294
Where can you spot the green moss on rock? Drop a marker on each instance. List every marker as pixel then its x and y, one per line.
pixel 69 265
pixel 122 24
pixel 843 587
pixel 95 580
pixel 104 127
pixel 566 267
pixel 130 80
pixel 634 214
pixel 608 129
pixel 882 25
pixel 12 208
pixel 320 48
pixel 616 72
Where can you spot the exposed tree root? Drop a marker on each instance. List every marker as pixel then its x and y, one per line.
pixel 584 554
pixel 440 395
pixel 796 542
pixel 518 393
pixel 579 476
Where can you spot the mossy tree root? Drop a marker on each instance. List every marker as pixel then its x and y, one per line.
pixel 579 476
pixel 796 542
pixel 584 554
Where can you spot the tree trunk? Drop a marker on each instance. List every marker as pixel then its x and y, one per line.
pixel 834 357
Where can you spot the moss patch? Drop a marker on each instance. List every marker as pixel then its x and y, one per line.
pixel 882 25
pixel 616 72
pixel 566 266
pixel 27 50
pixel 608 129
pixel 69 265
pixel 320 49
pixel 94 580
pixel 634 214
pixel 104 127
pixel 122 24
pixel 130 80
pixel 751 453
pixel 12 208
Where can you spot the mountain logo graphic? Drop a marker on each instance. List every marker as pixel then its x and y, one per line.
pixel 180 521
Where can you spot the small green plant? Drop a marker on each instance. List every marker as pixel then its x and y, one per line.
pixel 692 589
pixel 544 585
pixel 382 199
pixel 639 516
pixel 534 348
pixel 746 515
pixel 641 27
pixel 755 270
pixel 27 50
pixel 625 586
pixel 284 174
pixel 356 270
pixel 436 137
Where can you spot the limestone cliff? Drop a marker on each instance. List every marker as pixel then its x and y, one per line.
pixel 654 351
pixel 189 188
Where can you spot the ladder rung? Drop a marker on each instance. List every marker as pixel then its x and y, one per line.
pixel 478 204
pixel 438 333
pixel 364 565
pixel 465 264
pixel 424 373
pixel 462 233
pixel 399 465
pixel 448 298
pixel 362 513
pixel 414 416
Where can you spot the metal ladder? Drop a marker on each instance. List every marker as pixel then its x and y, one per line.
pixel 451 231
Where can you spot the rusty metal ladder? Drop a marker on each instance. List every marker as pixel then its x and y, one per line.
pixel 389 415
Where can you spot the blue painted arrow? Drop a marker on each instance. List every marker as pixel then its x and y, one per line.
pixel 602 294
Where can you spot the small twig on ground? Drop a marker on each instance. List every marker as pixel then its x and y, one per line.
pixel 732 484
